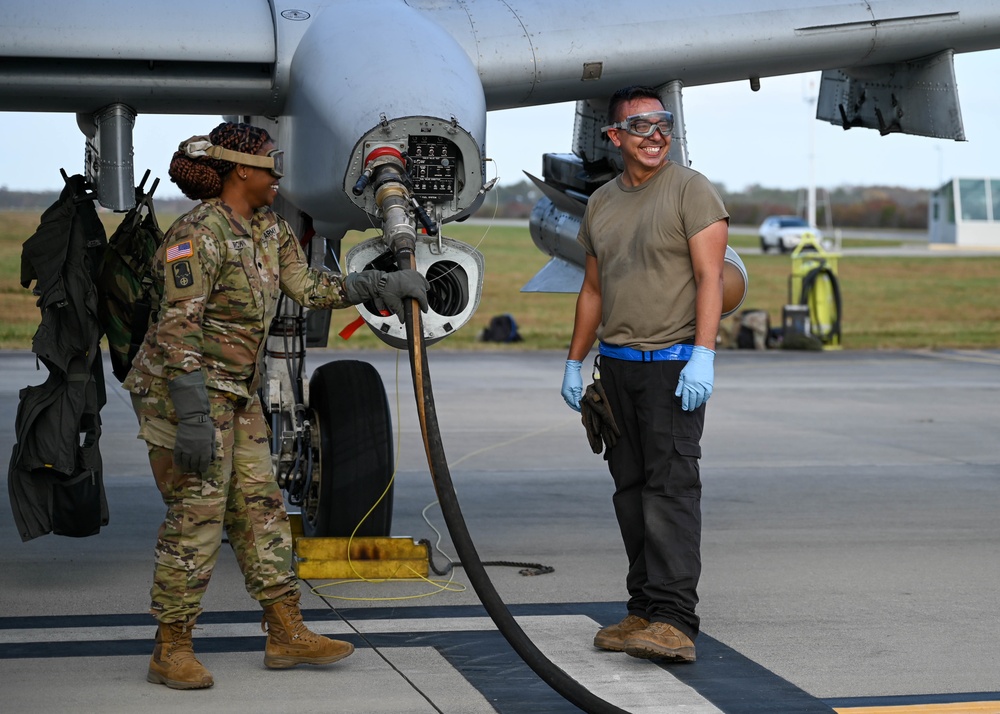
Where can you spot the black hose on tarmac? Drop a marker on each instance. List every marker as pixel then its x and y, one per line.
pixel 552 675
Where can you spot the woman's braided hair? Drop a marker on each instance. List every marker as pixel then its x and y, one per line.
pixel 201 177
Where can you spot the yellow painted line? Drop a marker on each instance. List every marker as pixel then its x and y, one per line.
pixel 960 708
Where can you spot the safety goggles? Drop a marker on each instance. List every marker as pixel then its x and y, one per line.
pixel 274 161
pixel 645 124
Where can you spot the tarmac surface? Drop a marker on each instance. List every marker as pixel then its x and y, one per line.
pixel 850 549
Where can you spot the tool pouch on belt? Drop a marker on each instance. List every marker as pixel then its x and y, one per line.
pixel 597 418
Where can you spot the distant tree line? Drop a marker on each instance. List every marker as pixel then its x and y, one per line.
pixel 40 200
pixel 849 206
pixel 515 201
pixel 26 200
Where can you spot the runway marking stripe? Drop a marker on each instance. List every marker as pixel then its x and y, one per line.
pixel 957 708
pixel 235 629
pixel 723 679
pixel 629 683
pixel 615 677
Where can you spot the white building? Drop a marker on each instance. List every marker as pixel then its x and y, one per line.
pixel 965 212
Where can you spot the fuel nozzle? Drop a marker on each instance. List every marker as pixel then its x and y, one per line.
pixel 385 169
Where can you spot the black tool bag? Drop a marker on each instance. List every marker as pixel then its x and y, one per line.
pixel 55 475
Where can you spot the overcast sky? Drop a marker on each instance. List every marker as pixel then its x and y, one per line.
pixel 736 137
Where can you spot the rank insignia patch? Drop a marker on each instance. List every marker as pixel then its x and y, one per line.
pixel 182 275
pixel 180 250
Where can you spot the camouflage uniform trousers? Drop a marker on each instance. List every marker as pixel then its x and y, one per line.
pixel 237 495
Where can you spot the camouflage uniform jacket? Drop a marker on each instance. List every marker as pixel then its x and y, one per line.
pixel 220 275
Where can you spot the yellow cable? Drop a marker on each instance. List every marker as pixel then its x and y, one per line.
pixel 440 585
pixel 392 479
pixel 469 456
pixel 482 238
pixel 395 468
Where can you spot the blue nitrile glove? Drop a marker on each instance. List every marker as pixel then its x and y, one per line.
pixel 572 386
pixel 695 384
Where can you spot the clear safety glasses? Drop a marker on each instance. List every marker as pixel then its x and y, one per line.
pixel 645 124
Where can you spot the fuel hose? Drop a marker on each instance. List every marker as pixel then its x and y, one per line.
pixel 552 675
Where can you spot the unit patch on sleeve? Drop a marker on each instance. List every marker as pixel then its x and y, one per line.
pixel 180 250
pixel 182 275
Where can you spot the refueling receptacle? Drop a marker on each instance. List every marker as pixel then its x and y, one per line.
pixel 453 269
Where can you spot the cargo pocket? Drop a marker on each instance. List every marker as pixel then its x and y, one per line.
pixel 687 447
pixel 157 431
pixel 685 475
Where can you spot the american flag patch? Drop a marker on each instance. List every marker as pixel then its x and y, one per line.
pixel 179 250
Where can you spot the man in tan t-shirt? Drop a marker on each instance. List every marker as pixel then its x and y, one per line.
pixel 655 240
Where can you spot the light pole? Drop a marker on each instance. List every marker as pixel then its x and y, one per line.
pixel 811 192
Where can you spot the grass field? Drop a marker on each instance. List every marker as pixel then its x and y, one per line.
pixel 898 302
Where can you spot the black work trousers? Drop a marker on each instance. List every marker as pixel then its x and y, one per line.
pixel 657 489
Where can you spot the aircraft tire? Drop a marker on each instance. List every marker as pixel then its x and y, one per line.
pixel 354 460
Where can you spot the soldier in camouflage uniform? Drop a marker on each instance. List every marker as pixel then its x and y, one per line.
pixel 194 389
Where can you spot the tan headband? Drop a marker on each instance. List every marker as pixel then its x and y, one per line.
pixel 198 146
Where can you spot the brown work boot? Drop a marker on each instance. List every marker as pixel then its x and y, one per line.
pixel 290 642
pixel 613 637
pixel 660 641
pixel 173 662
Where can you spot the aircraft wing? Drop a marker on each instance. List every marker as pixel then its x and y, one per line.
pixel 338 82
pixel 329 72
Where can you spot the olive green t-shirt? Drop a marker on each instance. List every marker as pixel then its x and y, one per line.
pixel 639 236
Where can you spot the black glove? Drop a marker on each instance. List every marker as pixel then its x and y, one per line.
pixel 391 288
pixel 597 418
pixel 194 448
pixel 403 284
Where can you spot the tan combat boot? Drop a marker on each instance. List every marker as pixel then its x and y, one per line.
pixel 660 641
pixel 290 642
pixel 173 662
pixel 613 637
